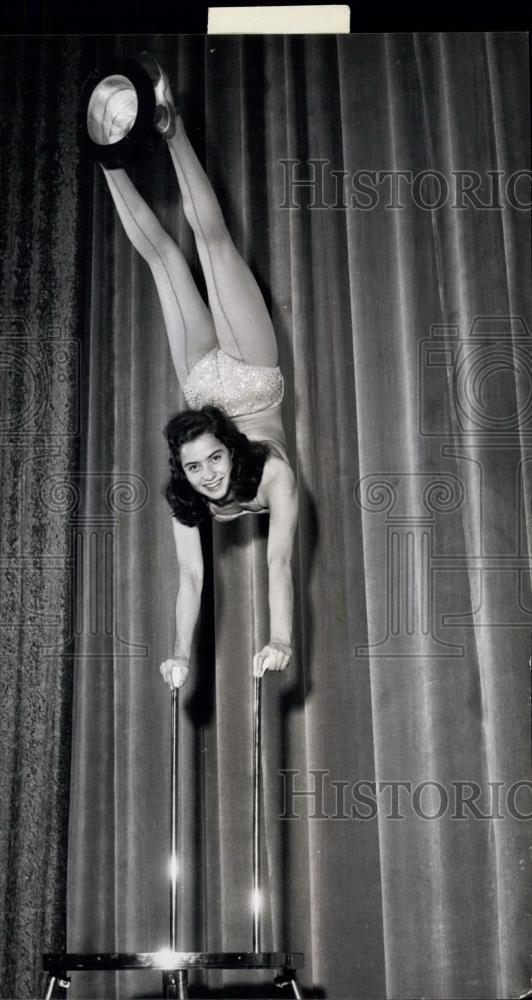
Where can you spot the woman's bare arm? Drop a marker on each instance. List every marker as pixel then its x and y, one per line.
pixel 188 601
pixel 280 493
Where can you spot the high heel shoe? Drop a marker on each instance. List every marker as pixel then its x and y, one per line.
pixel 165 119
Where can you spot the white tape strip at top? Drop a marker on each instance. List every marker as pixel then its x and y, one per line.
pixel 308 19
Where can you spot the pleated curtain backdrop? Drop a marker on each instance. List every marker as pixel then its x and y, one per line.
pixel 42 290
pixel 400 292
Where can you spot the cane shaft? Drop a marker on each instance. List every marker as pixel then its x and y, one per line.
pixel 256 811
pixel 173 821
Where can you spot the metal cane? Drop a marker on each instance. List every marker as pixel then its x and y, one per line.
pixel 173 822
pixel 175 982
pixel 256 895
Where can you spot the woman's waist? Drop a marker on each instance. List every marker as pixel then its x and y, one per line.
pixel 265 426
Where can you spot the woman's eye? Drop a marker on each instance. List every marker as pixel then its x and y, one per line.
pixel 193 468
pixel 216 458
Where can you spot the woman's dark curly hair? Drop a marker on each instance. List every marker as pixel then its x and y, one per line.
pixel 189 506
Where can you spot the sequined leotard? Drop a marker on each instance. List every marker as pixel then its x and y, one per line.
pixel 250 394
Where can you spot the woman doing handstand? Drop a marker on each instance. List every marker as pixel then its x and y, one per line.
pixel 228 451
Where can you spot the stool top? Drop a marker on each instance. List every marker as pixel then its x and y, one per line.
pixel 169 961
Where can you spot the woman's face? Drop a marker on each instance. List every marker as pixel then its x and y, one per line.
pixel 207 464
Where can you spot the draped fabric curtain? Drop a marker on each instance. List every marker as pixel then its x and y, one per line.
pixel 41 321
pixel 377 186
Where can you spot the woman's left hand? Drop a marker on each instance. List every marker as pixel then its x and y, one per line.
pixel 274 656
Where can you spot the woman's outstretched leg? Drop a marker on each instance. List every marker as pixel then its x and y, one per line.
pixel 188 322
pixel 243 325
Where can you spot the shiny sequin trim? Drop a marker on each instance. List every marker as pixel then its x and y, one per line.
pixel 238 388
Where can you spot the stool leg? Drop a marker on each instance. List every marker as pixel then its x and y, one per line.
pixel 50 988
pixel 63 981
pixel 175 985
pixel 169 986
pixel 296 989
pixel 182 984
pixel 288 978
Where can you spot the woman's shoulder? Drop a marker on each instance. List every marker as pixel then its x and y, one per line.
pixel 277 475
pixel 276 466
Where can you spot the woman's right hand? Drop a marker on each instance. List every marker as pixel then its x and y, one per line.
pixel 175 672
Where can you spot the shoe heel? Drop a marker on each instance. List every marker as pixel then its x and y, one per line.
pixel 165 118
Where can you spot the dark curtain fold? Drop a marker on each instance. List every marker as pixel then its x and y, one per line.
pixel 41 319
pixel 400 293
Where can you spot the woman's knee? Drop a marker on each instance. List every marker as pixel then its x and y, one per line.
pixel 208 226
pixel 165 258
